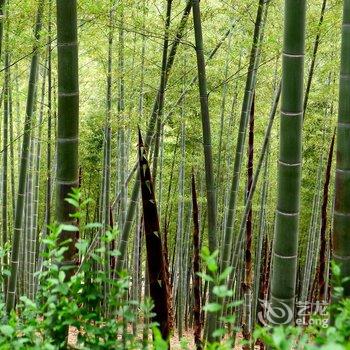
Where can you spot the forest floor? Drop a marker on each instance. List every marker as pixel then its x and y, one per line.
pixel 175 342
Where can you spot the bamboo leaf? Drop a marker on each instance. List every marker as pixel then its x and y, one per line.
pixel 73 202
pixel 70 228
pixel 205 277
pixel 212 307
pixel 93 225
pixel 226 273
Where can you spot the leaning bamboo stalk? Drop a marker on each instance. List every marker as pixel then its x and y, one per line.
pixel 239 240
pixel 322 268
pixel 314 56
pixel 238 244
pixel 246 105
pixel 248 272
pixel 162 85
pixel 11 292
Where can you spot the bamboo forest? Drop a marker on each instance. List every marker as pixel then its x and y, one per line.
pixel 175 174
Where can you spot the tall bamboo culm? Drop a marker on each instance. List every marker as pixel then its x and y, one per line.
pixel 341 238
pixel 208 159
pixel 68 119
pixel 289 165
pixel 6 100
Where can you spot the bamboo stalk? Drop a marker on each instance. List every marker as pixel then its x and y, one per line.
pixel 67 173
pixel 207 148
pixel 289 168
pixel 341 237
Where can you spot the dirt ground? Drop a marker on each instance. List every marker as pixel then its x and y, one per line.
pixel 175 342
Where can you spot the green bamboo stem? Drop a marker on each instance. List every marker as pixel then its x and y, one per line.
pixel 2 19
pixel 161 163
pixel 28 229
pixel 202 84
pixel 49 121
pixel 314 56
pixel 5 130
pixel 246 105
pixel 122 162
pixel 207 147
pixel 223 106
pixel 228 156
pixel 12 155
pixel 142 68
pixel 341 238
pixel 11 292
pixel 289 169
pixel 161 93
pixel 67 122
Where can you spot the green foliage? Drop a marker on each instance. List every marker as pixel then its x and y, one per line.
pixel 74 302
pixel 223 334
